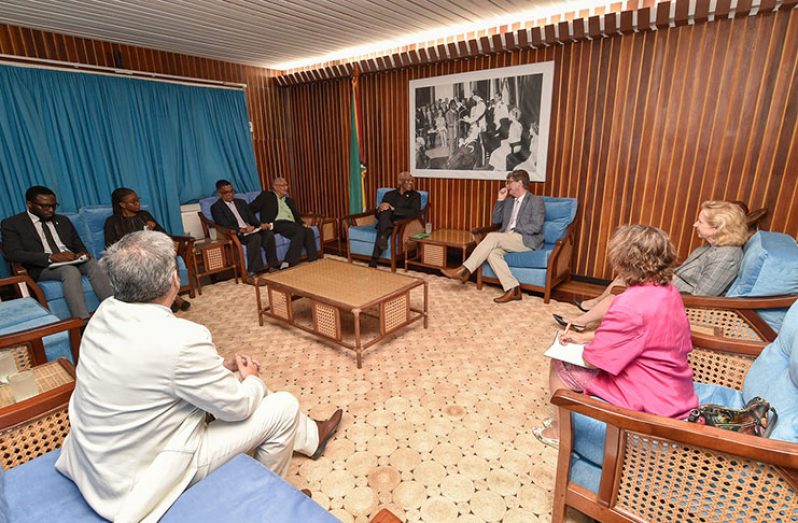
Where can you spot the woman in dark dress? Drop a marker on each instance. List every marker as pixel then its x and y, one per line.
pixel 128 217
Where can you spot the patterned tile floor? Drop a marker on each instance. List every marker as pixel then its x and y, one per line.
pixel 437 423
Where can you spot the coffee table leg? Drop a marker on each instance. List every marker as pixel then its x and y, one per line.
pixel 426 309
pixel 358 348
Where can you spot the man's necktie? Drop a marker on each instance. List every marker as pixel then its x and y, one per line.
pixel 49 237
pixel 515 213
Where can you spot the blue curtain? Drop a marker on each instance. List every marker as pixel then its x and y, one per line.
pixel 83 135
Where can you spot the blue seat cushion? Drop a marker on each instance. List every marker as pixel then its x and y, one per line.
pixel 16 311
pixel 253 493
pixel 363 233
pixel 26 313
pixel 769 268
pixel 54 294
pixel 560 213
pixel 774 377
pixel 537 259
pixel 527 276
pixel 240 490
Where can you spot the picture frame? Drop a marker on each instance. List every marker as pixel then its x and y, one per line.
pixel 482 124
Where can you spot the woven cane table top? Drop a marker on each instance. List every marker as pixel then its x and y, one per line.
pixel 48 376
pixel 346 283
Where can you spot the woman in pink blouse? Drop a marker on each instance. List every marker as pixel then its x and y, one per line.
pixel 637 358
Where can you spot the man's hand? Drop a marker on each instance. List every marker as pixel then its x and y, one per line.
pixel 247 229
pixel 230 363
pixel 385 206
pixel 63 257
pixel 151 225
pixel 502 194
pixel 265 226
pixel 247 366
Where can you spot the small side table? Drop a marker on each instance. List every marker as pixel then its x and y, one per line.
pixel 212 256
pixel 433 249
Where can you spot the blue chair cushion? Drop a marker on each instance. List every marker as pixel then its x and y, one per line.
pixel 13 312
pixel 560 213
pixel 253 493
pixel 774 377
pixel 206 203
pixel 537 259
pixel 55 345
pixel 363 233
pixel 769 268
pixel 240 490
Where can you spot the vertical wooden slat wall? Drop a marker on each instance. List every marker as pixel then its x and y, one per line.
pixel 644 128
pixel 266 103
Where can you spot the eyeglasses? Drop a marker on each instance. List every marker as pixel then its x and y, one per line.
pixel 53 206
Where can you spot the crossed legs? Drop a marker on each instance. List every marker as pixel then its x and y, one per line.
pixel 70 277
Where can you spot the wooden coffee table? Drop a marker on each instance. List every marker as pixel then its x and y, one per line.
pixel 335 288
pixel 433 249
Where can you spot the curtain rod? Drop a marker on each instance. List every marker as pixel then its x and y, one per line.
pixel 43 63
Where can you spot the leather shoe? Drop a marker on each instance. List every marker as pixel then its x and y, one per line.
pixel 459 273
pixel 578 304
pixel 575 326
pixel 327 430
pixel 512 294
pixel 306 492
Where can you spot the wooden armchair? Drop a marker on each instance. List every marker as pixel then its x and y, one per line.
pixel 28 344
pixel 361 234
pixel 532 269
pixel 736 317
pixel 662 469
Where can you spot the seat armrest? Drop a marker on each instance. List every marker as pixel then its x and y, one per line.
pixel 774 452
pixel 741 303
pixel 23 279
pixel 33 338
pixel 355 219
pixel 728 345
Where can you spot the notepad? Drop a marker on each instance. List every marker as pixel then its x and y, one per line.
pixel 420 236
pixel 567 352
pixel 76 261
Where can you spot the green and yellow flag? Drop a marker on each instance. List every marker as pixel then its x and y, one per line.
pixel 357 160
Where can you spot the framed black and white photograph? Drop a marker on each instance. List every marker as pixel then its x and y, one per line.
pixel 483 124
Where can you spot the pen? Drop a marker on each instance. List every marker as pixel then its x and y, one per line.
pixel 565 332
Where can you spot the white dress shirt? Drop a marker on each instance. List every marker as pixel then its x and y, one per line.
pixel 38 224
pixel 516 207
pixel 232 206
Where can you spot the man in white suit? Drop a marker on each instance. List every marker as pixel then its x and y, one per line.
pixel 145 381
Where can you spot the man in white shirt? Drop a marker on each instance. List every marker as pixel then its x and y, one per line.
pixel 39 237
pixel 521 218
pixel 146 381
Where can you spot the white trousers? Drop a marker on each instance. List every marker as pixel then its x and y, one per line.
pixel 492 249
pixel 275 430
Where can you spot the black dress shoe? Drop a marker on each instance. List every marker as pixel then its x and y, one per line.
pixel 559 319
pixel 327 430
pixel 578 304
pixel 186 305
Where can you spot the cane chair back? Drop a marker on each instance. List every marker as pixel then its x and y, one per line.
pixel 732 324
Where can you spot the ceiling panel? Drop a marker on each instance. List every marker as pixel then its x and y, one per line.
pixel 264 33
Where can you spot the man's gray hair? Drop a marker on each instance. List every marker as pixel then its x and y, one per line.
pixel 140 266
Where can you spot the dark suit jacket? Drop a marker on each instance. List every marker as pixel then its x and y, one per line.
pixel 407 205
pixel 223 216
pixel 529 222
pixel 266 205
pixel 21 242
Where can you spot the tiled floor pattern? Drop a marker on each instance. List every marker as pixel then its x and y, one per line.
pixel 438 421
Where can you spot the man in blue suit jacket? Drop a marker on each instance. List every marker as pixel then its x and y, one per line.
pixel 234 213
pixel 38 238
pixel 521 219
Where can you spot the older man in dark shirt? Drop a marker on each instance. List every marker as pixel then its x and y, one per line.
pixel 399 204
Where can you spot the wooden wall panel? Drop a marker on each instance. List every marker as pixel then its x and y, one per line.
pixel 644 128
pixel 266 103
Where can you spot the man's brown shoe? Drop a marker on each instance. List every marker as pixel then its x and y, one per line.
pixel 512 294
pixel 460 273
pixel 327 430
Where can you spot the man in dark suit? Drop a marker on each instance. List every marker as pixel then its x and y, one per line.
pixel 399 204
pixel 233 213
pixel 278 210
pixel 38 238
pixel 521 218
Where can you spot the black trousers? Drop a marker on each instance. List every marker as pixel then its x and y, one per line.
pixel 255 242
pixel 300 236
pixel 384 228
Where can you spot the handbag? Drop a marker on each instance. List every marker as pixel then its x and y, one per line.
pixel 757 417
